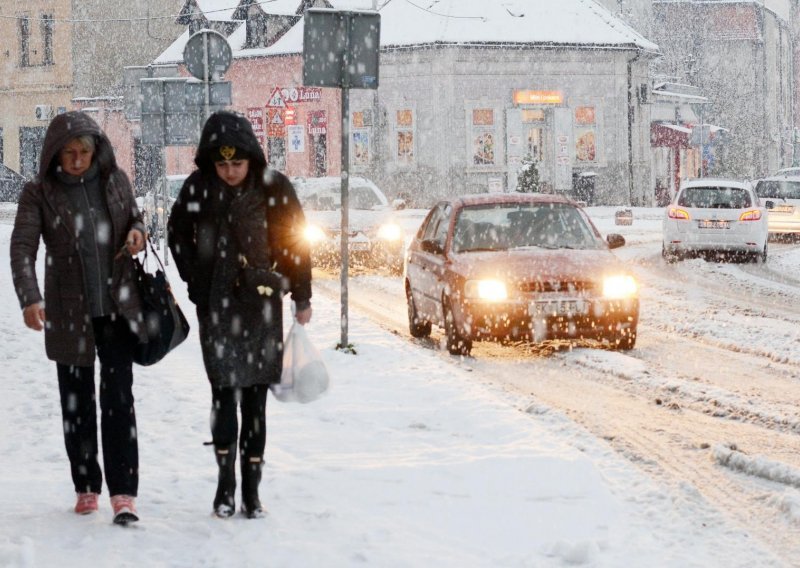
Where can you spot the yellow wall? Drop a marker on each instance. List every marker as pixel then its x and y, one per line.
pixel 22 88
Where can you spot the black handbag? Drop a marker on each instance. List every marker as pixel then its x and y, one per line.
pixel 162 317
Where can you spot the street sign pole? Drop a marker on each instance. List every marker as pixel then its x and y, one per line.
pixel 345 185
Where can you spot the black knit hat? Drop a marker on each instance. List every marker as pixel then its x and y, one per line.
pixel 223 131
pixel 224 153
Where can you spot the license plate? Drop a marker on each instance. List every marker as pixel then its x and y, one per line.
pixel 783 208
pixel 358 245
pixel 555 308
pixel 713 224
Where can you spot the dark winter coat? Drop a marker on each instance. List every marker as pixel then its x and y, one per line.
pixel 239 250
pixel 45 212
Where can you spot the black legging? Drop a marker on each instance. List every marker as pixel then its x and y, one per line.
pixel 224 424
pixel 115 345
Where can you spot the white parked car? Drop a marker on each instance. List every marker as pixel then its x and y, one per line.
pixel 719 217
pixel 377 231
pixel 780 194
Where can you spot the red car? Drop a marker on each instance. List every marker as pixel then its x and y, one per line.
pixel 517 266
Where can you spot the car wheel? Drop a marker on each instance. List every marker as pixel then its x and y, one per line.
pixel 457 344
pixel 670 257
pixel 624 340
pixel 763 255
pixel 416 326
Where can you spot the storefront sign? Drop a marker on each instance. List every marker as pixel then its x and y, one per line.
pixel 525 97
pixel 317 122
pixel 292 95
pixel 256 117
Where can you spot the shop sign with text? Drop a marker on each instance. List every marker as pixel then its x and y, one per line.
pixel 256 117
pixel 527 97
pixel 317 122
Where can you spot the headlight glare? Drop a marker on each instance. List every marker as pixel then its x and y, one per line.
pixel 313 234
pixel 489 290
pixel 390 232
pixel 618 287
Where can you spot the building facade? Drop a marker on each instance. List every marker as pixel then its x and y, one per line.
pixel 61 50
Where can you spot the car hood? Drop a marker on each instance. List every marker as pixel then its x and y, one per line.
pixel 539 264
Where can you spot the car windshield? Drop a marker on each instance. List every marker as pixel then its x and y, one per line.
pixel 518 226
pixel 361 197
pixel 778 189
pixel 715 197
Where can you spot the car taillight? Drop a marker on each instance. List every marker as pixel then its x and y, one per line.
pixel 680 214
pixel 754 215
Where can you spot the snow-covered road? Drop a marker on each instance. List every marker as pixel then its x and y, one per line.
pixel 710 396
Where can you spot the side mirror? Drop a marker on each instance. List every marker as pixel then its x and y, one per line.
pixel 431 246
pixel 769 204
pixel 615 240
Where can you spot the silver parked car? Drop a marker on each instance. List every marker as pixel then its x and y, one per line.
pixel 720 217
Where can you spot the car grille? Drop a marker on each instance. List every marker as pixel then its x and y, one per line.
pixel 540 286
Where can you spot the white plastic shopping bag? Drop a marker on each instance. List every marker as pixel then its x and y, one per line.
pixel 304 376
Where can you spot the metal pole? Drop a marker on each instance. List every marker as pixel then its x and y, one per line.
pixel 164 203
pixel 345 181
pixel 206 79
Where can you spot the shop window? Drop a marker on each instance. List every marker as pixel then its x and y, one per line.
pixel 48 24
pixel 404 127
pixel 24 41
pixel 585 131
pixel 360 143
pixel 484 137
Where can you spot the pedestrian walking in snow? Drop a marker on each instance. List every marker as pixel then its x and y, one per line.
pixel 235 232
pixel 82 206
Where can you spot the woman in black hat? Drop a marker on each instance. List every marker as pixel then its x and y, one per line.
pixel 235 232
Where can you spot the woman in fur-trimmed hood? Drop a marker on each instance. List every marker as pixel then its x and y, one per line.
pixel 82 206
pixel 235 232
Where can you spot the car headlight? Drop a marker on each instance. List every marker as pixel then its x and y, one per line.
pixel 488 290
pixel 390 232
pixel 618 287
pixel 314 234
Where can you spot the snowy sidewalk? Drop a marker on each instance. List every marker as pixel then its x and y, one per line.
pixel 409 460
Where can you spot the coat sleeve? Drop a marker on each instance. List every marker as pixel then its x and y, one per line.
pixel 181 237
pixel 290 249
pixel 25 239
pixel 136 218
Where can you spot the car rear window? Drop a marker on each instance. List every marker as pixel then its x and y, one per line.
pixel 716 197
pixel 778 189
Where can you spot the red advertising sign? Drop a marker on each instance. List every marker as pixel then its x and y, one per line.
pixel 291 116
pixel 256 117
pixel 317 122
pixel 276 124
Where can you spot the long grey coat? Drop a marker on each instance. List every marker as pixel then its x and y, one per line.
pixel 44 212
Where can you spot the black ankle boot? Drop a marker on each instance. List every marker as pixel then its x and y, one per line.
pixel 225 501
pixel 251 477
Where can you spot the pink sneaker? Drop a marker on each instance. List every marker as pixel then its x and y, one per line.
pixel 86 503
pixel 124 507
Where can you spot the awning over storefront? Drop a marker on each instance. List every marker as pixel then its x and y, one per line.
pixel 663 134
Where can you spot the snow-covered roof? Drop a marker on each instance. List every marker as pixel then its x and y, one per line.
pixel 583 23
